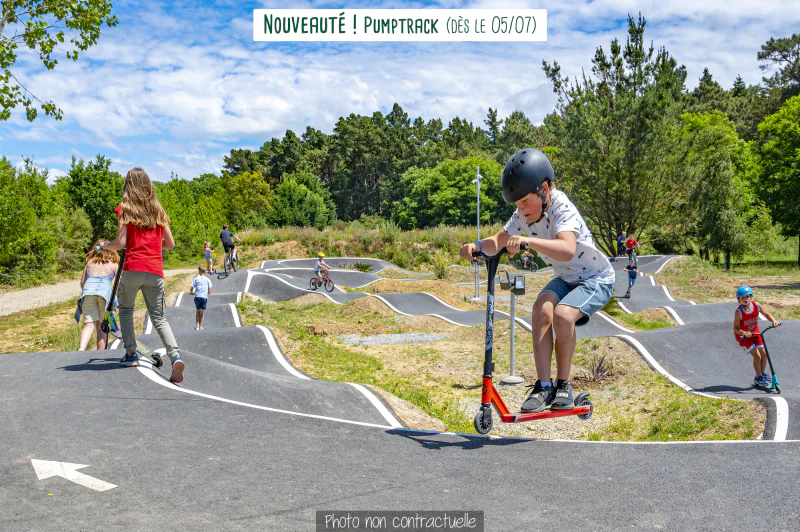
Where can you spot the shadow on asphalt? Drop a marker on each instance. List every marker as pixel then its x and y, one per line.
pixel 731 389
pixel 95 364
pixel 436 441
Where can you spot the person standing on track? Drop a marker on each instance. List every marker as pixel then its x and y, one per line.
pixel 143 231
pixel 747 332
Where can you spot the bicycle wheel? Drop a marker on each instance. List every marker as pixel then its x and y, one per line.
pixel 313 283
pixel 533 267
pixel 328 285
pixel 226 263
pixel 235 264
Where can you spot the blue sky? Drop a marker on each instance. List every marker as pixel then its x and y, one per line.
pixel 176 85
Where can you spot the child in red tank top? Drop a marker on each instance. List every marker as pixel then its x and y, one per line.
pixel 747 332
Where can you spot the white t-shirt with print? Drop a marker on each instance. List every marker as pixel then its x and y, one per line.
pixel 562 215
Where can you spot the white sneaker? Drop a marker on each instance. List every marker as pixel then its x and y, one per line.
pixel 196 327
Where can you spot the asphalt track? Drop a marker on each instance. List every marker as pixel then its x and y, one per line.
pixel 249 442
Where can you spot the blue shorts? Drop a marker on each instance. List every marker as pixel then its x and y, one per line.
pixel 200 303
pixel 588 296
pixel 631 280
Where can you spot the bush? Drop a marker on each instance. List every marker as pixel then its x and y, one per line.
pixel 362 266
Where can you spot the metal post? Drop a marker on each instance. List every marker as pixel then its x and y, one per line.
pixel 477 182
pixel 512 379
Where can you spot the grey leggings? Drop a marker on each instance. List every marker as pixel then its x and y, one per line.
pixel 152 287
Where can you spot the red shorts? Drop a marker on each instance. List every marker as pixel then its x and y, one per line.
pixel 753 341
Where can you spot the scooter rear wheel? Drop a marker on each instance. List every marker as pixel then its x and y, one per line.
pixel 157 362
pixel 483 421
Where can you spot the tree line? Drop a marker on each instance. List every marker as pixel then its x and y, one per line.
pixel 633 148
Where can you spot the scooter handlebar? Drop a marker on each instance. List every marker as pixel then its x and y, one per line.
pixel 481 253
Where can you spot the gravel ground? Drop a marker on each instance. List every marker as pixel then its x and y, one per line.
pixel 383 339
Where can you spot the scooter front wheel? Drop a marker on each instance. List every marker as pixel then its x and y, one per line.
pixel 483 420
pixel 583 400
pixel 157 362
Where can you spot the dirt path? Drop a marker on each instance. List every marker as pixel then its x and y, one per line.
pixel 40 296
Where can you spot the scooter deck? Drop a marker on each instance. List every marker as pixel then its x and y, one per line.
pixel 517 417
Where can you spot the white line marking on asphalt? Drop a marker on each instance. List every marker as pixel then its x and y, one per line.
pixel 238 296
pixel 666 291
pixel 652 361
pixel 441 301
pixel 674 315
pixel 782 418
pixel 523 323
pixel 148 328
pixel 150 374
pixel 377 404
pixel 178 301
pixel 612 322
pixel 665 263
pixel 235 315
pixel 623 307
pixel 278 354
pixel 692 302
pixel 652 280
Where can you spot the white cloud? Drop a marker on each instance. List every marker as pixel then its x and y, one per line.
pixel 177 96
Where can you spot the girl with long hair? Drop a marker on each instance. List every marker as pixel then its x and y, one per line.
pixel 143 230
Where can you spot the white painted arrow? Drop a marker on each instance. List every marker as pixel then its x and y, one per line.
pixel 46 469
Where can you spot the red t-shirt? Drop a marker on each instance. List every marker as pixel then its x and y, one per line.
pixel 631 243
pixel 143 249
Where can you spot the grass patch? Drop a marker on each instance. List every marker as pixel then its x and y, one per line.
pixel 640 321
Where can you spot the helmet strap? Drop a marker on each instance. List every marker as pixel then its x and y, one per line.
pixel 544 203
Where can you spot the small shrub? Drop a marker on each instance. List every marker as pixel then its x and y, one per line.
pixel 600 367
pixel 440 265
pixel 362 266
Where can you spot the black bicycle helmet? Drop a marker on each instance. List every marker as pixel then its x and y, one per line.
pixel 524 173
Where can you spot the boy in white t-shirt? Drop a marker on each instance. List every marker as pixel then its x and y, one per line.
pixel 583 281
pixel 201 288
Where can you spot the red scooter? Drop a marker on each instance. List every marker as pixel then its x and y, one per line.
pixel 489 395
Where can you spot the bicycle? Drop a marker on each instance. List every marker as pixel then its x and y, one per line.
pixel 326 282
pixel 526 265
pixel 231 261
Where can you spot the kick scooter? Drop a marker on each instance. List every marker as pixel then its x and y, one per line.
pixel 489 394
pixel 774 384
pixel 107 327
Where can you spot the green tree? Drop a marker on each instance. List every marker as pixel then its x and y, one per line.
pixel 295 204
pixel 445 194
pixel 618 135
pixel 783 53
pixel 716 162
pixel 44 27
pixel 97 190
pixel 249 197
pixel 764 235
pixel 493 125
pixel 780 158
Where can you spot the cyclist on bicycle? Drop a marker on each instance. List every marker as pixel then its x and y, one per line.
pixel 320 266
pixel 227 241
pixel 632 245
pixel 527 257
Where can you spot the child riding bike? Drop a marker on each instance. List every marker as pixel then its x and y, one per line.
pixel 321 267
